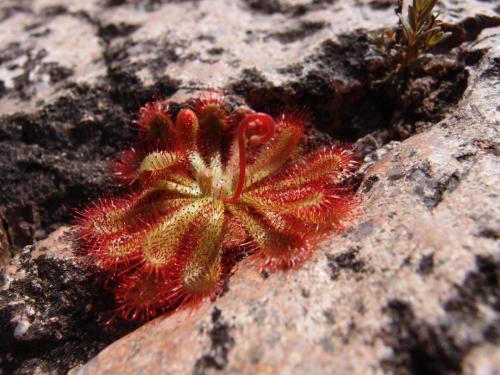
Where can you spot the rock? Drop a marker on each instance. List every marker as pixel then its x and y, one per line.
pixel 411 287
pixel 4 243
pixel 64 110
pixel 52 306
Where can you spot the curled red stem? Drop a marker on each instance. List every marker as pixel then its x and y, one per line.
pixel 257 128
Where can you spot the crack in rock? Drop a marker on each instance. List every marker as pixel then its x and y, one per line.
pixel 221 345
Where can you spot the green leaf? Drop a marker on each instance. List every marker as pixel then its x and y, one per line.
pixel 437 38
pixel 406 28
pixel 429 32
pixel 158 161
pixel 417 4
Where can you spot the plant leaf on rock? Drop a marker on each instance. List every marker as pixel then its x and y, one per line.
pixel 208 186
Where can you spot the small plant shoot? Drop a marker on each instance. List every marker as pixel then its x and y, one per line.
pixel 419 31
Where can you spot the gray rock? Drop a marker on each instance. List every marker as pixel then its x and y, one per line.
pixel 411 287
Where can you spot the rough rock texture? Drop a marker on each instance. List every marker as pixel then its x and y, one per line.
pixel 73 73
pixel 50 317
pixel 413 287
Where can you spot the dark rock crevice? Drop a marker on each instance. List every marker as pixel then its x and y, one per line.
pixel 419 348
pixel 338 89
pixel 422 348
pixel 221 344
pixel 53 318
